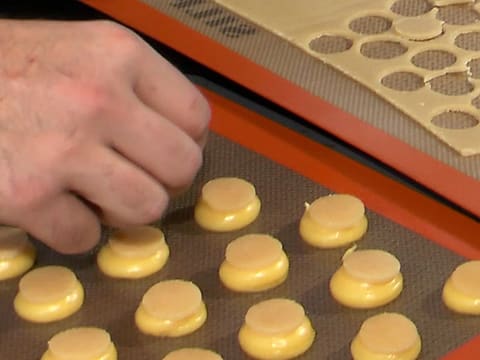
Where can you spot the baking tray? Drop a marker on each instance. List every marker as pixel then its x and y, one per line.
pixel 288 169
pixel 282 73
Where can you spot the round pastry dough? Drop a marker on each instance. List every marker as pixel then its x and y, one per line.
pixel 276 329
pixel 419 28
pixel 171 308
pixel 83 343
pixel 134 253
pixel 333 221
pixel 192 354
pixel 227 204
pixel 367 279
pixel 461 292
pixel 17 254
pixel 48 294
pixel 386 336
pixel 254 262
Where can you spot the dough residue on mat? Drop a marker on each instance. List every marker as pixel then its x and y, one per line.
pixel 378 45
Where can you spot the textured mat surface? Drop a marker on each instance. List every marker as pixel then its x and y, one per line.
pixel 425 65
pixel 196 255
pixel 322 80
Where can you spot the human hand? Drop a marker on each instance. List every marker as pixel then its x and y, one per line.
pixel 94 127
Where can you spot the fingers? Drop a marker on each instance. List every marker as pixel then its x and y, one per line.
pixel 33 199
pixel 156 145
pixel 165 90
pixel 65 224
pixel 115 92
pixel 123 193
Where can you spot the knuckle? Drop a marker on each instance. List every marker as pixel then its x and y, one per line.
pixel 199 111
pixel 118 37
pixel 154 209
pixel 61 236
pixel 191 160
pixel 140 199
pixel 61 148
pixel 86 103
pixel 149 210
pixel 68 237
pixel 109 29
pixel 93 101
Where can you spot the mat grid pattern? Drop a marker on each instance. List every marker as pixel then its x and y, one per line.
pixel 196 255
pixel 295 65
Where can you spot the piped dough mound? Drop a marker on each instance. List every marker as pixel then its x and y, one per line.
pixel 83 343
pixel 17 254
pixel 193 354
pixel 254 262
pixel 386 336
pixel 333 221
pixel 133 253
pixel 171 308
pixel 367 279
pixel 461 292
pixel 227 204
pixel 48 293
pixel 276 329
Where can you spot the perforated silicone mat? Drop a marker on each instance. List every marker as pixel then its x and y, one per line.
pixel 293 64
pixel 196 255
pixel 426 64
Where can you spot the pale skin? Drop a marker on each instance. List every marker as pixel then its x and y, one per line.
pixel 95 127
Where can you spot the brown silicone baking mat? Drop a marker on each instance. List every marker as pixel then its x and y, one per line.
pixel 301 69
pixel 196 255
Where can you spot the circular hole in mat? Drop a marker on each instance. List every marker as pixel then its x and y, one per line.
pixel 383 49
pixel 468 41
pixel 476 102
pixel 370 25
pixel 330 44
pixel 411 7
pixel 455 120
pixel 434 59
pixel 403 81
pixel 457 14
pixel 474 66
pixel 451 84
